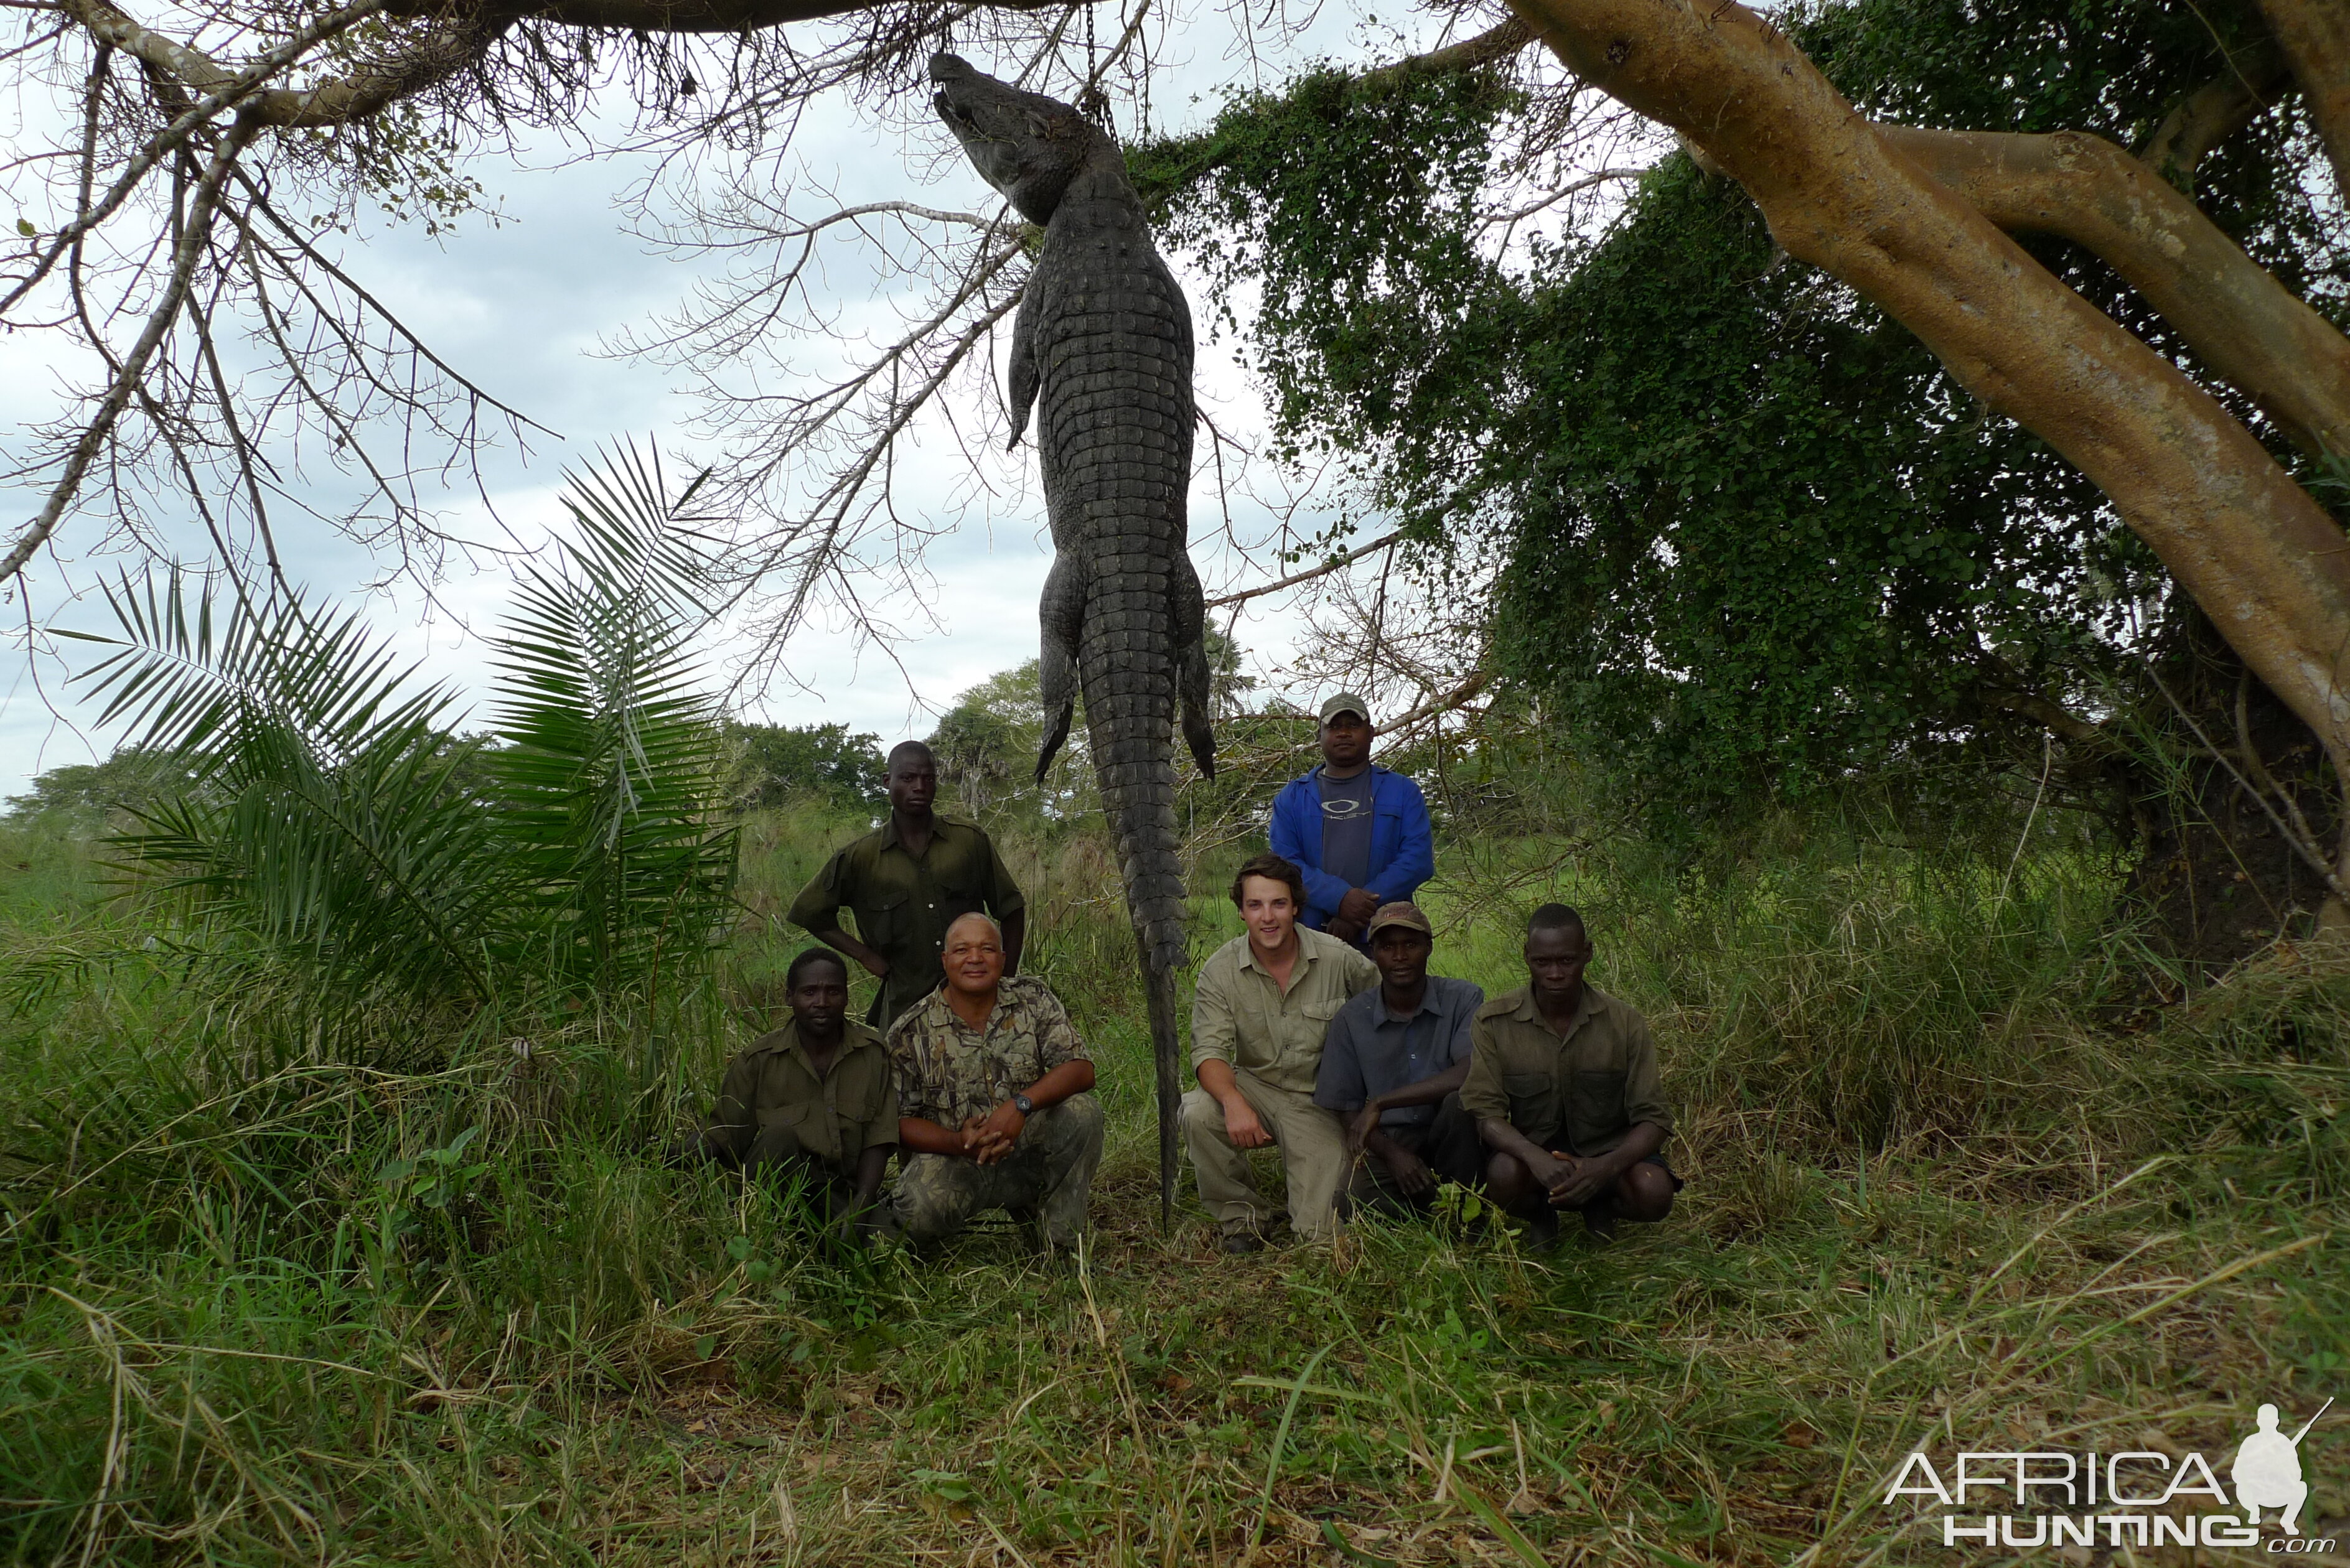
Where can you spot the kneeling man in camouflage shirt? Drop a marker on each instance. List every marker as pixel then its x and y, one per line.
pixel 994 1108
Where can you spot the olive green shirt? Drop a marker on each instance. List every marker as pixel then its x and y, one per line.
pixel 948 1071
pixel 836 1115
pixel 1239 1014
pixel 904 905
pixel 1587 1087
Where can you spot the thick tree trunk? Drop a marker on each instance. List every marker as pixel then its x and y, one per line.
pixel 2218 874
pixel 2266 564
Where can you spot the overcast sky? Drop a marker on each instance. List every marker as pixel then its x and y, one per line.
pixel 525 305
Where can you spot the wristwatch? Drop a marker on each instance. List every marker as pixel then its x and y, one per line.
pixel 1024 1105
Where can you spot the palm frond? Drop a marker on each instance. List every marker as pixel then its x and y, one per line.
pixel 610 776
pixel 325 821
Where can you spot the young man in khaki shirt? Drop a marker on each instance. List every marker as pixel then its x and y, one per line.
pixel 1259 1015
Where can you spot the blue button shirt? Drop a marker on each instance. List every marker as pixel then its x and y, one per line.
pixel 1369 1051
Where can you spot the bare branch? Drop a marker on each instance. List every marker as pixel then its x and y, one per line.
pixel 127 379
pixel 1336 562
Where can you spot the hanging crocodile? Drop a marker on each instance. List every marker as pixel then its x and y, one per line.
pixel 1101 351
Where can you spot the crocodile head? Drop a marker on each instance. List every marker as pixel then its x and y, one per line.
pixel 1024 144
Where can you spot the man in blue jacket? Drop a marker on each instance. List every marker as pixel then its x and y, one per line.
pixel 1359 832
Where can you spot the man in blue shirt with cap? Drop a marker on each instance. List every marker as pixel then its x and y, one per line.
pixel 1359 832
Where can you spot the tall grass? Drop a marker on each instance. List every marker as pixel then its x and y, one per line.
pixel 263 1299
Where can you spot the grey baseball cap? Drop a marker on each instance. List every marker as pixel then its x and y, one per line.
pixel 1345 702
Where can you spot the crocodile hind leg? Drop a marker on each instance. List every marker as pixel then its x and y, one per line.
pixel 1191 675
pixel 1061 614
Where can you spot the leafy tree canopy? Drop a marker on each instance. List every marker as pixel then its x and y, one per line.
pixel 771 763
pixel 1751 536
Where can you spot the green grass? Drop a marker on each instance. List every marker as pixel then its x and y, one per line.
pixel 1958 1179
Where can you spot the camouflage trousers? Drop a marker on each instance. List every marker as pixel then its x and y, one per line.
pixel 1049 1175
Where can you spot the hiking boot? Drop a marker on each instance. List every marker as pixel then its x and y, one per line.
pixel 1240 1243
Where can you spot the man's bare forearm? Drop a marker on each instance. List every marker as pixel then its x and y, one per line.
pixel 841 941
pixel 1427 1092
pixel 1502 1138
pixel 871 1165
pixel 1068 1079
pixel 1215 1076
pixel 926 1137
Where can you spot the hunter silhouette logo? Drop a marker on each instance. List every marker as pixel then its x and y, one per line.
pixel 2267 1471
pixel 2136 1498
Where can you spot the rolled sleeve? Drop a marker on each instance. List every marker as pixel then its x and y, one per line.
pixel 1482 1094
pixel 1338 1083
pixel 1359 973
pixel 1643 1090
pixel 817 908
pixel 1213 1030
pixel 1056 1038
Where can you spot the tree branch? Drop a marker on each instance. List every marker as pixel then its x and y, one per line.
pixel 1461 696
pixel 2315 37
pixel 2247 327
pixel 1335 564
pixel 193 237
pixel 2252 85
pixel 428 55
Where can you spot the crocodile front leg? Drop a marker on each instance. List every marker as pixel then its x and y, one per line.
pixel 1062 616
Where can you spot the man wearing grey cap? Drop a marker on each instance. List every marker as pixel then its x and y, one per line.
pixel 1360 833
pixel 1392 1067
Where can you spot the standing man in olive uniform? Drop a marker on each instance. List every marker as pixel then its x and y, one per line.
pixel 907 882
pixel 816 1098
pixel 1563 1082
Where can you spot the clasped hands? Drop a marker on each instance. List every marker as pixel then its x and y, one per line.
pixel 992 1136
pixel 1573 1180
pixel 1354 912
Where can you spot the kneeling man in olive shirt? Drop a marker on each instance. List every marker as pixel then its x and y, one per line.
pixel 816 1098
pixel 1562 1083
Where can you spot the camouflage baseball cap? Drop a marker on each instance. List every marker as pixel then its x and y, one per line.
pixel 1400 913
pixel 1345 702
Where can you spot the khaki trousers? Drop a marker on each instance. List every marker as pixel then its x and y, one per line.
pixel 1313 1156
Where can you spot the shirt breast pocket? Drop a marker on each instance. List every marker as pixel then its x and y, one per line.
pixel 1533 1101
pixel 1323 1011
pixel 1599 1105
pixel 882 923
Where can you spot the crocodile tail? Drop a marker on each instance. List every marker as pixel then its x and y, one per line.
pixel 1138 781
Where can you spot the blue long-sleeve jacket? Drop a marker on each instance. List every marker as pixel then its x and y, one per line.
pixel 1403 848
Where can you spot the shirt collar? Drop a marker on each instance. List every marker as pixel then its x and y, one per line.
pixel 1305 953
pixel 1005 1001
pixel 1383 1013
pixel 853 1037
pixel 1526 1013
